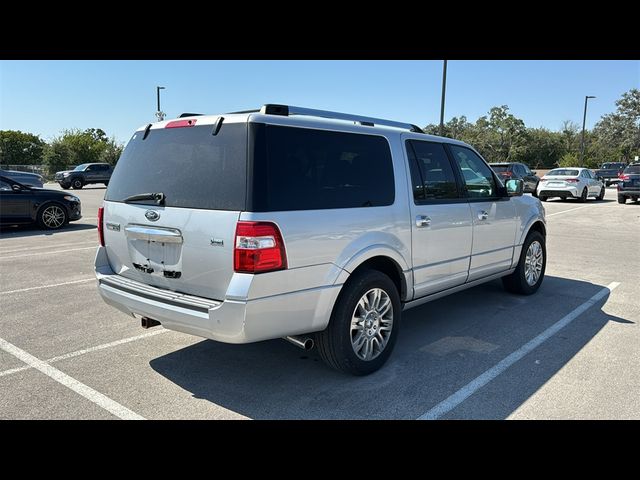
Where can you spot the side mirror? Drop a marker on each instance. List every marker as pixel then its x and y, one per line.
pixel 515 187
pixel 16 188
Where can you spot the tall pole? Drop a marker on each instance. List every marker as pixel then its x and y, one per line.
pixel 584 121
pixel 159 113
pixel 444 90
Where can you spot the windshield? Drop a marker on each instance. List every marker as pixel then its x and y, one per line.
pixel 191 167
pixel 632 169
pixel 79 168
pixel 564 172
pixel 500 168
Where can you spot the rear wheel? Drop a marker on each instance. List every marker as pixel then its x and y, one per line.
pixel 542 198
pixel 601 196
pixel 583 197
pixel 634 199
pixel 529 273
pixel 364 324
pixel 622 199
pixel 77 184
pixel 52 216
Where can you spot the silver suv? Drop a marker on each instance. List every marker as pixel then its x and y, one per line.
pixel 319 227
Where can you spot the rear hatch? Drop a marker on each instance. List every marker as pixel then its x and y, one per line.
pixel 503 170
pixel 560 178
pixel 182 239
pixel 630 178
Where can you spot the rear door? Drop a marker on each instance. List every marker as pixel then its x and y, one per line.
pixel 185 243
pixel 441 226
pixel 494 217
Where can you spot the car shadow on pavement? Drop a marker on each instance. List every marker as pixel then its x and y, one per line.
pixel 33 230
pixel 442 346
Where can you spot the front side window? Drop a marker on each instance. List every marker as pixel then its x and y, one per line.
pixel 308 169
pixel 431 172
pixel 477 175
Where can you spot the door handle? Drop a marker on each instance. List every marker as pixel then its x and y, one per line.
pixel 483 215
pixel 422 221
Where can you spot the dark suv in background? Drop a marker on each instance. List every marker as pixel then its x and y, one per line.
pixel 629 184
pixel 509 171
pixel 85 174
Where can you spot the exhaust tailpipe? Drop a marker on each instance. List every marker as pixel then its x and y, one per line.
pixel 148 322
pixel 305 343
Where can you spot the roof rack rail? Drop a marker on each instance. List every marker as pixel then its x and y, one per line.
pixel 190 115
pixel 287 110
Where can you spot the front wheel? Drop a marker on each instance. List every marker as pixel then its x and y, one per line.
pixel 52 217
pixel 622 199
pixel 65 186
pixel 364 324
pixel 530 270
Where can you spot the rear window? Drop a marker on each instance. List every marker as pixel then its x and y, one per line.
pixel 192 167
pixel 564 172
pixel 305 169
pixel 500 168
pixel 632 169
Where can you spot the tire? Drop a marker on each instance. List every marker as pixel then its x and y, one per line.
pixel 77 183
pixel 335 342
pixel 535 190
pixel 634 199
pixel 52 216
pixel 583 197
pixel 517 282
pixel 601 196
pixel 622 199
pixel 542 198
pixel 106 184
pixel 65 186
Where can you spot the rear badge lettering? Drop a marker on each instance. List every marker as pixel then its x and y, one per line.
pixel 113 226
pixel 217 242
pixel 152 215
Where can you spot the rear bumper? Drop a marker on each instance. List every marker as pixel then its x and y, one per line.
pixel 563 192
pixel 229 321
pixel 628 192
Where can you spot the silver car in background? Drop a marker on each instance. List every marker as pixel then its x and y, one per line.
pixel 318 227
pixel 570 182
pixel 25 178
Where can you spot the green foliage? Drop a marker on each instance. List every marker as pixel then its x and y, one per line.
pixel 19 148
pixel 569 159
pixel 618 133
pixel 74 147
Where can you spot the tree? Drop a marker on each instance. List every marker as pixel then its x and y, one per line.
pixel 618 133
pixel 74 147
pixel 19 148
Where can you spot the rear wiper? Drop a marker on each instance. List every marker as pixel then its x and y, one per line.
pixel 158 197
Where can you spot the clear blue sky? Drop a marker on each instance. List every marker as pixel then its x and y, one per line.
pixel 45 97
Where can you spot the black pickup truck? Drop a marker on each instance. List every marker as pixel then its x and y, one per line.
pixel 608 172
pixel 629 184
pixel 85 174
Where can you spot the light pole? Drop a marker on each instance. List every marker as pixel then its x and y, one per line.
pixel 160 114
pixel 444 89
pixel 584 121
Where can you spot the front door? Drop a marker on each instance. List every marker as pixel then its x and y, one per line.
pixel 494 216
pixel 441 227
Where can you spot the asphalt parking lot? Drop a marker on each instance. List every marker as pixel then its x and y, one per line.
pixel 572 351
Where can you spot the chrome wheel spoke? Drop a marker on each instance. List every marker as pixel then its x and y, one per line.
pixel 533 263
pixel 371 324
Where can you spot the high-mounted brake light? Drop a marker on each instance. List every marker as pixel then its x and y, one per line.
pixel 258 248
pixel 101 226
pixel 181 123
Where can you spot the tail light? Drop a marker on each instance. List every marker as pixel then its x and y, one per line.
pixel 506 174
pixel 258 248
pixel 101 226
pixel 572 180
pixel 623 177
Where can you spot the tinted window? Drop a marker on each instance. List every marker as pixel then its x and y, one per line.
pixel 564 172
pixel 477 175
pixel 632 169
pixel 192 167
pixel 431 173
pixel 500 168
pixel 304 169
pixel 80 168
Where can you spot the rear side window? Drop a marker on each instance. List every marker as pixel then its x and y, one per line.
pixel 431 172
pixel 192 167
pixel 306 169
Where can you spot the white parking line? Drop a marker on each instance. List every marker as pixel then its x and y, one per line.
pixel 567 211
pixel 47 246
pixel 71 383
pixel 47 253
pixel 473 386
pixel 77 353
pixel 48 286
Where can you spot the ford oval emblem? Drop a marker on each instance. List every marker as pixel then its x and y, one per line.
pixel 152 215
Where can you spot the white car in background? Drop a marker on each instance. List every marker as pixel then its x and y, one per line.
pixel 571 182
